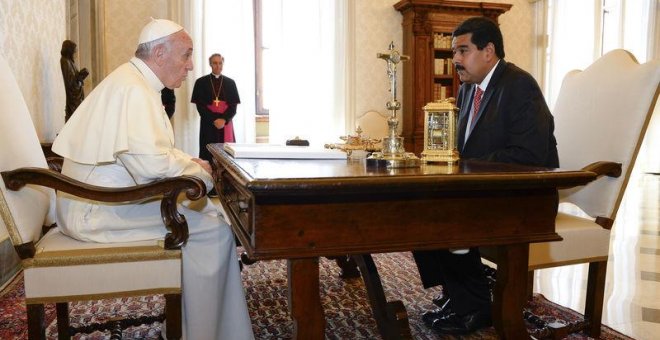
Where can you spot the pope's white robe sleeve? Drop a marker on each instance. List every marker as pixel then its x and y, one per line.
pixel 148 168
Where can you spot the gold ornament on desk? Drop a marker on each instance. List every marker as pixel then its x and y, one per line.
pixel 440 132
pixel 393 154
pixel 356 142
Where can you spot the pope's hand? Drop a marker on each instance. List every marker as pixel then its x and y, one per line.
pixel 205 164
pixel 219 123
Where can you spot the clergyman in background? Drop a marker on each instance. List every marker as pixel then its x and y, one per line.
pixel 216 98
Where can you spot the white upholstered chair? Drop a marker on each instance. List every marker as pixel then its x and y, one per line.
pixel 601 114
pixel 58 269
pixel 373 124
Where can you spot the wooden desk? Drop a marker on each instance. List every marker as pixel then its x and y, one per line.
pixel 300 210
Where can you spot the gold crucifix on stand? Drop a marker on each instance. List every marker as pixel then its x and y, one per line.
pixel 393 154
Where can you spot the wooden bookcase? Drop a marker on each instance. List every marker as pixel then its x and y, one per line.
pixel 424 77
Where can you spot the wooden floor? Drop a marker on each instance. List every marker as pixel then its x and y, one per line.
pixel 632 291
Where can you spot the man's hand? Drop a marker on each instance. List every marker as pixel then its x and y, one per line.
pixel 205 164
pixel 219 123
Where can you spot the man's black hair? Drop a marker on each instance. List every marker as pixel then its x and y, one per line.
pixel 484 30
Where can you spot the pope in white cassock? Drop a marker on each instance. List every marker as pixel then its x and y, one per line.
pixel 121 136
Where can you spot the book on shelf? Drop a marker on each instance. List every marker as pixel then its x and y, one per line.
pixel 441 40
pixel 440 92
pixel 279 151
pixel 439 66
pixel 443 66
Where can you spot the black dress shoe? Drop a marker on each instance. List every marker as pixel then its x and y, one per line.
pixel 430 316
pixel 440 300
pixel 463 324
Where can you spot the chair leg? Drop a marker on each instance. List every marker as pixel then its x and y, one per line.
pixel 593 310
pixel 36 326
pixel 62 320
pixel 530 284
pixel 173 316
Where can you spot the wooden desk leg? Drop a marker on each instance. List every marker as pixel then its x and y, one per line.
pixel 391 317
pixel 509 295
pixel 304 299
pixel 346 263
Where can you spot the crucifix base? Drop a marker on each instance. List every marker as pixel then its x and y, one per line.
pixel 406 160
pixel 393 156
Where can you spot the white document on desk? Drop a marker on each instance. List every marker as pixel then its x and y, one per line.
pixel 278 151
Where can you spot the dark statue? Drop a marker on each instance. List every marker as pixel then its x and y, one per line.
pixel 73 79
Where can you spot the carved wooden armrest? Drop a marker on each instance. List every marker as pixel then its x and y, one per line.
pixel 602 168
pixel 169 188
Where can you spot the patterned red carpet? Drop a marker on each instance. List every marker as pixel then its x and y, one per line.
pixel 344 301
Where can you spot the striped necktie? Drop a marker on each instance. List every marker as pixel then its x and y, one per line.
pixel 477 103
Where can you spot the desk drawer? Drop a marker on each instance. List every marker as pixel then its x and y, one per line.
pixel 239 205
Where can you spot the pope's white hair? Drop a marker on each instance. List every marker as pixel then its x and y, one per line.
pixel 144 50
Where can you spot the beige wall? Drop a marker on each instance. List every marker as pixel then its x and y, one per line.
pixel 31 35
pixel 518 30
pixel 377 24
pixel 122 21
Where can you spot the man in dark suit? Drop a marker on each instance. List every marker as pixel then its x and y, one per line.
pixel 503 118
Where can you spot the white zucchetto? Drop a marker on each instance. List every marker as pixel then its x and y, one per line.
pixel 158 28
